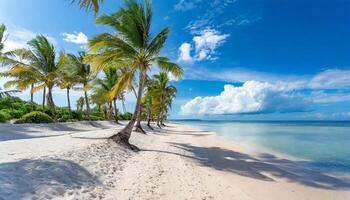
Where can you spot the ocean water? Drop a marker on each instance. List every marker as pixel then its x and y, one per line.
pixel 325 145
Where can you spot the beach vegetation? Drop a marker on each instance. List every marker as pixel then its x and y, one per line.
pixel 36 117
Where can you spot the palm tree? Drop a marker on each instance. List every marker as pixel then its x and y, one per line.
pixel 84 76
pixel 162 95
pixel 90 4
pixel 67 79
pixel 37 65
pixel 130 46
pixel 6 93
pixel 104 87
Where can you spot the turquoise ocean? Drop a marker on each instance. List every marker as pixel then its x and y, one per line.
pixel 324 144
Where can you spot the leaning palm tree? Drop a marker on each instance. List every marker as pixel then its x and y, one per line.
pixel 84 76
pixel 130 46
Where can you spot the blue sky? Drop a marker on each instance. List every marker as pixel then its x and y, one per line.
pixel 243 59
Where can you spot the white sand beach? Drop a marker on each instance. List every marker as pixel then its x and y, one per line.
pixel 75 161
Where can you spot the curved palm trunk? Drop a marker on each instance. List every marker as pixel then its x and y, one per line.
pixel 50 102
pixel 68 100
pixel 149 123
pixel 115 110
pixel 124 135
pixel 123 103
pixel 44 97
pixel 87 104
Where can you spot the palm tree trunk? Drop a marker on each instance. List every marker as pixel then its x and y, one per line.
pixel 87 104
pixel 138 127
pixel 149 123
pixel 44 98
pixel 50 102
pixel 68 100
pixel 124 135
pixel 110 110
pixel 115 110
pixel 123 103
pixel 32 97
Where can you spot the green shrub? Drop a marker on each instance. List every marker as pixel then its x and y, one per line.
pixel 36 117
pixel 4 116
pixel 125 116
pixel 78 115
pixel 94 118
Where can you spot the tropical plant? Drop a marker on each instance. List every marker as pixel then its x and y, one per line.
pixel 36 65
pixel 132 47
pixel 90 4
pixel 84 75
pixel 67 79
pixel 36 117
pixel 104 89
pixel 160 94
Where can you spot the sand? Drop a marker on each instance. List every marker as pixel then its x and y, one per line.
pixel 74 161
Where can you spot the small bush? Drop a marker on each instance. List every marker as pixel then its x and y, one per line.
pixel 36 117
pixel 78 115
pixel 4 116
pixel 93 118
pixel 125 116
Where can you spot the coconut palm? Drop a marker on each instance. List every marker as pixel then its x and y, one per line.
pixel 84 76
pixel 90 4
pixel 162 95
pixel 104 87
pixel 67 80
pixel 132 46
pixel 37 65
pixel 2 38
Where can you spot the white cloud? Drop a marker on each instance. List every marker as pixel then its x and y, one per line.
pixel 184 5
pixel 251 97
pixel 17 37
pixel 331 79
pixel 185 52
pixel 323 97
pixel 205 45
pixel 76 38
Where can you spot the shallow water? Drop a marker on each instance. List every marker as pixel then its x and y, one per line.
pixel 325 144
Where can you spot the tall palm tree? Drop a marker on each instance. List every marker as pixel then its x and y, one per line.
pixel 38 64
pixel 85 76
pixel 131 45
pixel 67 80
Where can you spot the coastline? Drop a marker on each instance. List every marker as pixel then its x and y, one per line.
pixel 176 162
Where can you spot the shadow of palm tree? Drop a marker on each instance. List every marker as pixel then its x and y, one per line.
pixel 27 177
pixel 263 168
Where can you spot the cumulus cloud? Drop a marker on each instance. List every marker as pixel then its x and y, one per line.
pixel 76 38
pixel 205 45
pixel 251 97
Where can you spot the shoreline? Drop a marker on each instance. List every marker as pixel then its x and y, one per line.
pixel 176 162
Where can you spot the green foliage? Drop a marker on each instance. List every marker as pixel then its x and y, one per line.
pixel 125 116
pixel 78 115
pixel 4 116
pixel 36 117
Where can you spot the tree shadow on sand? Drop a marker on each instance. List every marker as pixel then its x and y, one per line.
pixel 265 167
pixel 47 176
pixel 27 131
